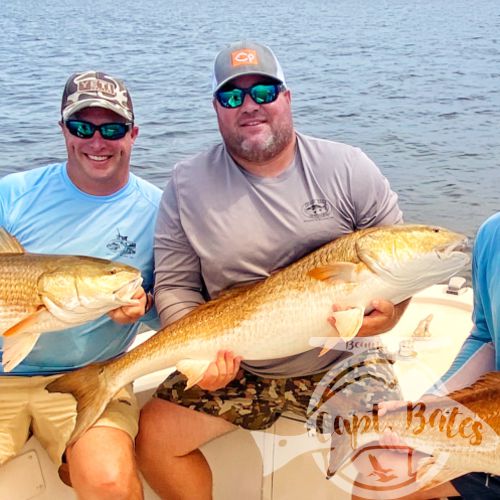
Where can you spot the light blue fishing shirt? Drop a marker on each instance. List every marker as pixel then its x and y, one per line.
pixel 47 213
pixel 486 286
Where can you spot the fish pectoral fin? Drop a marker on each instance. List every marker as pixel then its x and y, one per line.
pixel 8 243
pixel 26 323
pixel 348 322
pixel 193 369
pixel 16 348
pixel 335 273
pixel 19 339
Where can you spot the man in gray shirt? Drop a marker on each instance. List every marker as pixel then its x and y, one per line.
pixel 255 203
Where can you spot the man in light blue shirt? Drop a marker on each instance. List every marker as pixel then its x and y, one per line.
pixel 89 205
pixel 479 352
pixel 485 334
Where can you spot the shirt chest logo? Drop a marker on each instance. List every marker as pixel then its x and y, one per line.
pixel 317 209
pixel 122 245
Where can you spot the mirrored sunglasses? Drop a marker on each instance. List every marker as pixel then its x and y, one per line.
pixel 108 131
pixel 261 93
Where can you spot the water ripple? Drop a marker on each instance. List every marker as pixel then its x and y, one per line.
pixel 414 84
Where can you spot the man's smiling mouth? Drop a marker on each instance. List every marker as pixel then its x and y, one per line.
pixel 98 158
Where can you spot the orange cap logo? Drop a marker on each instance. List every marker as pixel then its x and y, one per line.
pixel 243 57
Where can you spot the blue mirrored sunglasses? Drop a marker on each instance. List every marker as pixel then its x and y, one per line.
pixel 109 131
pixel 261 93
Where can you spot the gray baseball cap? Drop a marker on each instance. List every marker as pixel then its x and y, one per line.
pixel 245 58
pixel 95 89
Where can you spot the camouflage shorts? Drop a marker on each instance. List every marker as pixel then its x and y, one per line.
pixel 255 403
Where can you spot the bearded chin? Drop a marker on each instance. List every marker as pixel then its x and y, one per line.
pixel 265 150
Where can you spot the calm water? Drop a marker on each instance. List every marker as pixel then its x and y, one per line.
pixel 416 84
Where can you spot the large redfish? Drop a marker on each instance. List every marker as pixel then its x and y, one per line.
pixel 278 316
pixel 44 293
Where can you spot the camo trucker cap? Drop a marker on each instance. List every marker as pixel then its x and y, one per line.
pixel 245 58
pixel 95 89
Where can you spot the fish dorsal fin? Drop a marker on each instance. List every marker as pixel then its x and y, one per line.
pixel 337 272
pixel 8 243
pixel 233 291
pixel 228 294
pixel 487 382
pixel 491 379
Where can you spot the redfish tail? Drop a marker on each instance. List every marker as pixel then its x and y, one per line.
pixel 88 386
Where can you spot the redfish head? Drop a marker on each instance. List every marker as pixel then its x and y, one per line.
pixel 409 255
pixel 90 284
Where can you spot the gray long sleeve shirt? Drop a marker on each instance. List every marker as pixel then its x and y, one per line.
pixel 220 226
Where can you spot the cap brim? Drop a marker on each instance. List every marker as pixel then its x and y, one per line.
pixel 96 103
pixel 243 73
